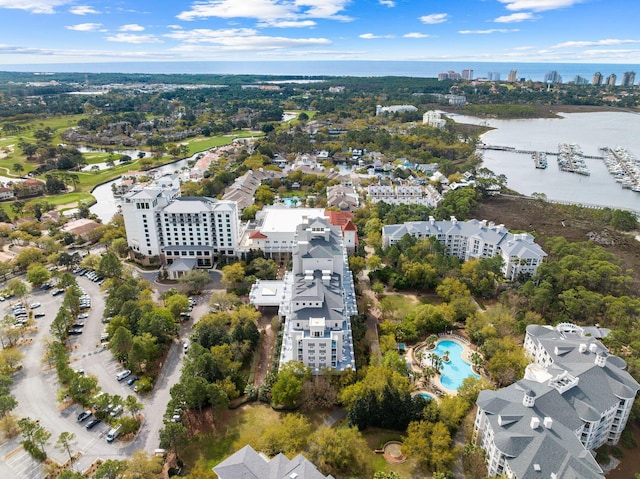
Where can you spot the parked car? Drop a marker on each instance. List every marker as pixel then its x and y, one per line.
pixel 83 316
pixel 116 411
pixel 34 305
pixel 132 380
pixel 56 292
pixel 92 423
pixel 74 332
pixel 39 315
pixel 123 374
pixel 78 324
pixel 83 415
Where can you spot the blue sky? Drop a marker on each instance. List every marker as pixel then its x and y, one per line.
pixel 562 31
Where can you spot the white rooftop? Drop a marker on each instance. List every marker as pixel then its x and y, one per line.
pixel 285 220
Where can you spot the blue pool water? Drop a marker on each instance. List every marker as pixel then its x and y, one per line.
pixel 427 396
pixel 291 202
pixel 456 370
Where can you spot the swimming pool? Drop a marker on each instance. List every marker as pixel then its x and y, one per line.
pixel 427 396
pixel 456 370
pixel 292 202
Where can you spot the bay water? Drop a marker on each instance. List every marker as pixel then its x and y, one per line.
pixel 589 130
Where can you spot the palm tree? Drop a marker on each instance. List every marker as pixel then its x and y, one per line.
pixel 477 360
pixel 436 362
pixel 445 356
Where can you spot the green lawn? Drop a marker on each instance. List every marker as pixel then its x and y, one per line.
pixel 398 306
pixel 240 427
pixel 88 180
pixel 376 438
pixel 244 426
pixel 202 143
pixel 70 199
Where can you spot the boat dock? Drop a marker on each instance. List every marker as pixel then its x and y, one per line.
pixel 512 149
pixel 540 160
pixel 624 167
pixel 571 159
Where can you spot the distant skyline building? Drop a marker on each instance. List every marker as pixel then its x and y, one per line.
pixel 611 80
pixel 467 74
pixel 493 76
pixel 597 79
pixel 553 77
pixel 578 80
pixel 513 76
pixel 628 78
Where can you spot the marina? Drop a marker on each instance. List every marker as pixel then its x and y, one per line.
pixel 624 167
pixel 591 131
pixel 570 159
pixel 540 160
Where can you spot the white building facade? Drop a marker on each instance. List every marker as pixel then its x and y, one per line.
pixel 316 300
pixel 160 223
pixel 475 239
pixel 574 398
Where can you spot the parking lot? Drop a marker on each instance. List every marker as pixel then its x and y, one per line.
pixel 36 388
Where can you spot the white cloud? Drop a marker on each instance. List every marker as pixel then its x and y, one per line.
pixel 612 53
pixel 175 27
pixel 515 17
pixel 203 35
pixel 85 27
pixel 235 39
pixel 288 24
pixel 267 10
pixel 488 32
pixel 387 3
pixel 608 41
pixel 131 27
pixel 83 10
pixel 416 35
pixel 248 43
pixel 131 38
pixel 371 36
pixel 434 18
pixel 538 5
pixel 34 6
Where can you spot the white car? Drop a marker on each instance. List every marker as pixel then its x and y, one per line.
pixel 83 316
pixel 34 305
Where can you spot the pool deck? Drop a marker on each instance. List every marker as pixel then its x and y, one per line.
pixel 434 385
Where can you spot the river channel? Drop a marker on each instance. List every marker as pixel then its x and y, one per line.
pixel 106 205
pixel 589 130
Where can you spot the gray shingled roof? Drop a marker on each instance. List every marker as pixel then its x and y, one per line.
pixel 248 464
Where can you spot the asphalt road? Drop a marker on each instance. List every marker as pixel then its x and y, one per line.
pixel 36 388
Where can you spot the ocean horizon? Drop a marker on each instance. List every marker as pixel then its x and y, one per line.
pixel 338 68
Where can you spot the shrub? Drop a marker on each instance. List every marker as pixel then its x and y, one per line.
pixel 34 450
pixel 627 440
pixel 129 425
pixel 144 385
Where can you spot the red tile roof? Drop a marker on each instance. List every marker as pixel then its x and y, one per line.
pixel 258 235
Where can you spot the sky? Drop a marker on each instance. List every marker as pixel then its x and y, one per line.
pixel 549 31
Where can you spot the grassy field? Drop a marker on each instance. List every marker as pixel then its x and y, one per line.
pixel 10 155
pixel 244 426
pixel 66 201
pixel 397 306
pixel 239 427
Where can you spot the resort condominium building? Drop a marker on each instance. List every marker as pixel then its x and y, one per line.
pixel 475 239
pixel 159 222
pixel 574 398
pixel 316 299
